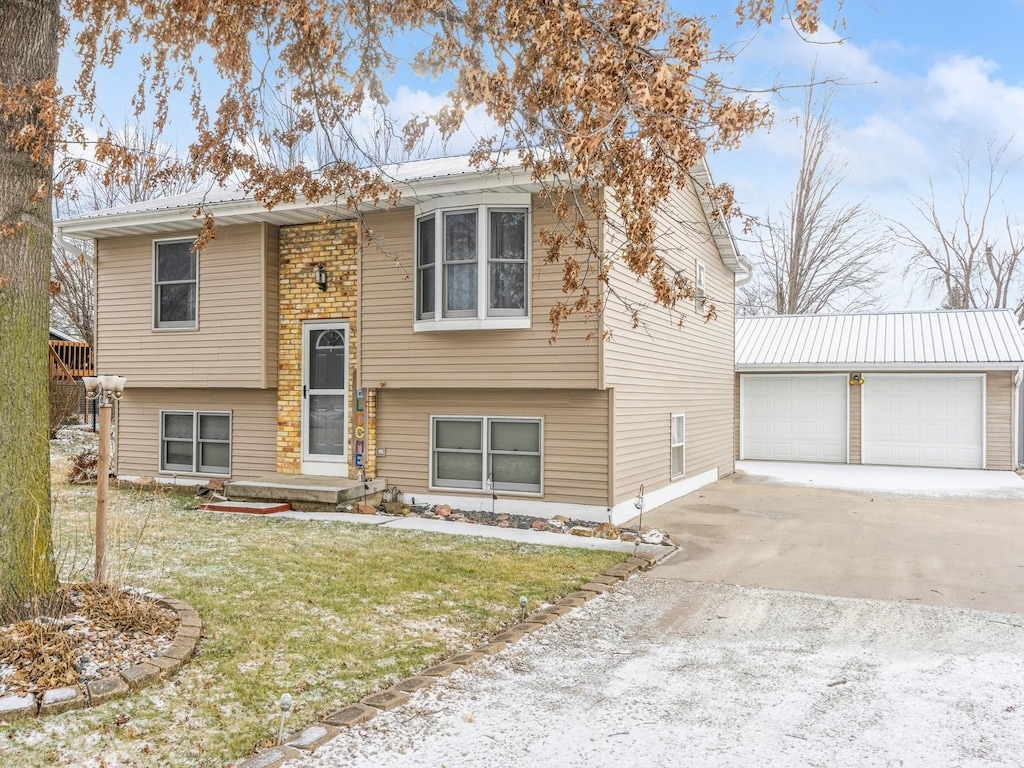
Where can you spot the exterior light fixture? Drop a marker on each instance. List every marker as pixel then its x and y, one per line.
pixel 105 390
pixel 856 380
pixel 320 276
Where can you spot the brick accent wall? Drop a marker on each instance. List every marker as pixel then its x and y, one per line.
pixel 336 246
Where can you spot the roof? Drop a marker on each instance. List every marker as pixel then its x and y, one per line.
pixel 419 181
pixel 979 339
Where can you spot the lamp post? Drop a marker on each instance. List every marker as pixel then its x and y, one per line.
pixel 104 390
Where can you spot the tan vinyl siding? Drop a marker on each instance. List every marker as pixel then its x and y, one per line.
pixel 253 427
pixel 271 288
pixel 660 369
pixel 392 353
pixel 854 428
pixel 575 436
pixel 999 420
pixel 226 350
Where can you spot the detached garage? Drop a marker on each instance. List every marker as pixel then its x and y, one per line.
pixel 925 389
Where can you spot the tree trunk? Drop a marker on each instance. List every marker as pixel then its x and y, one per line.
pixel 28 55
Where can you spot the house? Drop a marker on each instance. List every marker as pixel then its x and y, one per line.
pixel 932 389
pixel 413 345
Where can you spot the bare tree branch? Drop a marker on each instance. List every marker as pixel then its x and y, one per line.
pixel 817 255
pixel 972 259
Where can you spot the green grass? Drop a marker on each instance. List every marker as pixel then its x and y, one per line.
pixel 327 612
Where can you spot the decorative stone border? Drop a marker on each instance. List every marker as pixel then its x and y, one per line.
pixel 57 700
pixel 317 734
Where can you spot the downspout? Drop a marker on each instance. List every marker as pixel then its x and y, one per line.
pixel 1018 421
pixel 64 244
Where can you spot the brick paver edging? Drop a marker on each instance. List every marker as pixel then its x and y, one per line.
pixel 317 734
pixel 57 700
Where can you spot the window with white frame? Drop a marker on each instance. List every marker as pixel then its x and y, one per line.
pixel 479 452
pixel 699 288
pixel 678 445
pixel 175 284
pixel 472 264
pixel 198 442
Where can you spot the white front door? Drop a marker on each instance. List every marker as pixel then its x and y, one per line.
pixel 924 420
pixel 324 397
pixel 798 417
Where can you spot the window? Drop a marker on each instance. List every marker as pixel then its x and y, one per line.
pixel 472 264
pixel 175 285
pixel 195 442
pixel 474 451
pixel 678 445
pixel 699 286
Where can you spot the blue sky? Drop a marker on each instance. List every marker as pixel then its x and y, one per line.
pixel 919 81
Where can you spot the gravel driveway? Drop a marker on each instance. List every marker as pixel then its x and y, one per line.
pixel 672 673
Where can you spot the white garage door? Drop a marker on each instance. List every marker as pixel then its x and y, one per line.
pixel 924 421
pixel 794 418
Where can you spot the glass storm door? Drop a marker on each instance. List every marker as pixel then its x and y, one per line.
pixel 324 397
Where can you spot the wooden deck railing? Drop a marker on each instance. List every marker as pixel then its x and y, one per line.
pixel 70 359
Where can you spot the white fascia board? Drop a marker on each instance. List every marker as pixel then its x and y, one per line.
pixel 845 367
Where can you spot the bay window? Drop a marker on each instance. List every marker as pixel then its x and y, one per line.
pixel 472 263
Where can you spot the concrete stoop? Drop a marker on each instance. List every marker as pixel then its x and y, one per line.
pixel 311 493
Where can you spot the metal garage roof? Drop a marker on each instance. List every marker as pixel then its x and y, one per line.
pixel 979 339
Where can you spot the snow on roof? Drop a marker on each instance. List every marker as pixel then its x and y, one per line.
pixel 978 339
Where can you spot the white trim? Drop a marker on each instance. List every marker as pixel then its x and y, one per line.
pixel 471 324
pixel 154 310
pixel 488 199
pixel 700 287
pixel 904 367
pixel 318 464
pixel 626 510
pixel 621 513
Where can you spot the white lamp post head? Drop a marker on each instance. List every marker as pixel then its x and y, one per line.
pixel 92 386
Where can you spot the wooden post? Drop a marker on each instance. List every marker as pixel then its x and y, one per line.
pixel 102 488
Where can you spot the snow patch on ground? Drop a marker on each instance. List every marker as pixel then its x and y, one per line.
pixel 916 481
pixel 668 673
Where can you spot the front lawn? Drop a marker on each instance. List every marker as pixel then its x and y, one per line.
pixel 327 612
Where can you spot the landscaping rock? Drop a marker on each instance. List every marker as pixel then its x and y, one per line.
pixel 271 758
pixel 15 706
pixel 106 688
pixel 607 531
pixel 386 700
pixel 443 510
pixel 539 525
pixel 364 509
pixel 581 530
pixel 397 508
pixel 354 714
pixel 312 737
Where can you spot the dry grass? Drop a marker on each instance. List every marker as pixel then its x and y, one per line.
pixel 324 611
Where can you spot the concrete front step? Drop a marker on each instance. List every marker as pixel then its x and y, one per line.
pixel 314 493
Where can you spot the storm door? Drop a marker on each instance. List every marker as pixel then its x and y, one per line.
pixel 324 397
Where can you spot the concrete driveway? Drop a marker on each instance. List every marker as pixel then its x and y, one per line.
pixel 960 545
pixel 719 657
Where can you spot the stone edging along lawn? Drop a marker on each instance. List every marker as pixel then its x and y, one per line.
pixel 57 700
pixel 317 734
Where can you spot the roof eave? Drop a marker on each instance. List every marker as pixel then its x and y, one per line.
pixel 902 367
